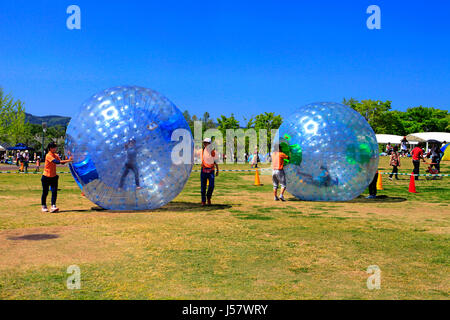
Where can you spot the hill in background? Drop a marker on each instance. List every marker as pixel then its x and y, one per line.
pixel 51 120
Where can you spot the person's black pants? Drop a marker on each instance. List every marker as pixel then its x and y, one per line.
pixel 394 171
pixel 373 185
pixel 416 170
pixel 128 167
pixel 46 184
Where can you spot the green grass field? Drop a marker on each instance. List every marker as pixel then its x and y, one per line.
pixel 245 246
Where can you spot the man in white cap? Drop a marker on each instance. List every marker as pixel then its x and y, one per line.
pixel 208 157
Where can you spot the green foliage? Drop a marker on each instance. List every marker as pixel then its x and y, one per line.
pixel 12 119
pixel 422 119
pixel 227 123
pixel 372 111
pixel 417 119
pixel 268 121
pixel 207 122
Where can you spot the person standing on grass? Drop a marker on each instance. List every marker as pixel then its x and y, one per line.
pixel 417 154
pixel 38 163
pixel 26 160
pixel 404 147
pixel 389 148
pixel 50 178
pixel 395 163
pixel 435 153
pixel 278 175
pixel 255 159
pixel 208 157
pixel 373 187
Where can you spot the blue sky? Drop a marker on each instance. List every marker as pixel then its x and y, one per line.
pixel 241 57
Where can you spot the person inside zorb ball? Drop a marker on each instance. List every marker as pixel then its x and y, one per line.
pixel 132 149
pixel 333 152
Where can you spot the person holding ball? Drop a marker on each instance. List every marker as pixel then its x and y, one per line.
pixel 50 178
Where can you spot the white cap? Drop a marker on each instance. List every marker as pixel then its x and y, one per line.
pixel 207 140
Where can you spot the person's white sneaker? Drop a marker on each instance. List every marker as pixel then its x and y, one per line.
pixel 44 209
pixel 282 198
pixel 54 209
pixel 276 199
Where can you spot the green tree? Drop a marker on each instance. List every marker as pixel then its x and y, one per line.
pixel 373 111
pixel 349 102
pixel 417 119
pixel 227 123
pixel 268 121
pixel 188 119
pixel 391 123
pixel 423 119
pixel 12 119
pixel 207 122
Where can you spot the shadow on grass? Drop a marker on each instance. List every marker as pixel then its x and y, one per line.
pixel 382 198
pixel 362 199
pixel 172 206
pixel 35 237
pixel 80 211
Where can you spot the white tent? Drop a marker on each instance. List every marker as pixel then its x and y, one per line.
pixel 425 136
pixel 386 138
pixel 3 146
pixel 393 139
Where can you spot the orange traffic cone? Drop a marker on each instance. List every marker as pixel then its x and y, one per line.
pixel 379 182
pixel 412 184
pixel 257 182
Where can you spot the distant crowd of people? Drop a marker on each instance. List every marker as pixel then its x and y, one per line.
pixel 417 154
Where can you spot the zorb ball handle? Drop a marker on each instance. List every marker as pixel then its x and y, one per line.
pixel 294 152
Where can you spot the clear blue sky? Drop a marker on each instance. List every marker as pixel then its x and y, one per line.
pixel 241 57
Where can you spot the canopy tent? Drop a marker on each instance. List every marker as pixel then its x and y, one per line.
pixel 20 146
pixel 388 138
pixel 4 146
pixel 393 139
pixel 425 136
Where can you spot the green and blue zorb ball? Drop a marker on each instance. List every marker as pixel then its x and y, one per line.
pixel 333 152
pixel 122 141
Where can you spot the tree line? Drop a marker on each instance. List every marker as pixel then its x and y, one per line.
pixel 384 120
pixel 14 129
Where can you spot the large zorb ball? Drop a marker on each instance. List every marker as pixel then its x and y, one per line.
pixel 333 152
pixel 122 142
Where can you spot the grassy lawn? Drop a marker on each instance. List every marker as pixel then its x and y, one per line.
pixel 245 246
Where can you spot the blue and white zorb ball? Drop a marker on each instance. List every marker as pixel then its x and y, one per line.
pixel 333 152
pixel 122 142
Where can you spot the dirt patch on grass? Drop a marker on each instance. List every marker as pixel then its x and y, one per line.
pixel 50 246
